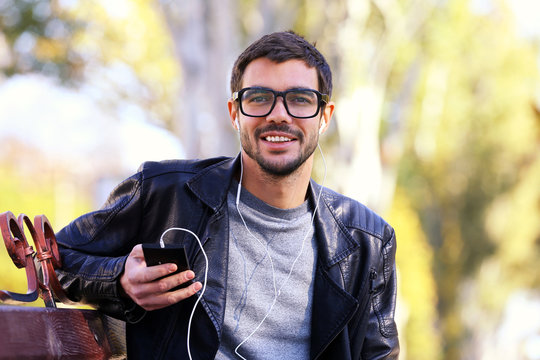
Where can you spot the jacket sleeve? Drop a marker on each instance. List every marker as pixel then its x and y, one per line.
pixel 94 248
pixel 381 341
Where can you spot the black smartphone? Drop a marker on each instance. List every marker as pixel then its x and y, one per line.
pixel 156 255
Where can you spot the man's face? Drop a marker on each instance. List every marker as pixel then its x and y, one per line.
pixel 279 143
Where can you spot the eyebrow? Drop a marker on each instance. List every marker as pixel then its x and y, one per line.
pixel 289 88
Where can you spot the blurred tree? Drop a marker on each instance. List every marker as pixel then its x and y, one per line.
pixel 208 36
pixel 128 56
pixel 37 36
pixel 204 42
pixel 122 49
pixel 472 136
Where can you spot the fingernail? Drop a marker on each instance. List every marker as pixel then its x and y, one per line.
pixel 172 268
pixel 197 286
pixel 190 275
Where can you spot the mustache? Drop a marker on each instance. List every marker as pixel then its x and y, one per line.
pixel 281 128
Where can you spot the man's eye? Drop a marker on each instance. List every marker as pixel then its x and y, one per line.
pixel 301 99
pixel 258 97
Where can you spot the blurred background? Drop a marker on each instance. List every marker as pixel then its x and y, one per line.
pixel 437 128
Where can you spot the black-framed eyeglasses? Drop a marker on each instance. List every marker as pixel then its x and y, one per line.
pixel 299 103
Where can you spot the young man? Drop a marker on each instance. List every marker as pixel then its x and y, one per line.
pixel 293 270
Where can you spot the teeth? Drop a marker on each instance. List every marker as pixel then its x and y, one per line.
pixel 277 138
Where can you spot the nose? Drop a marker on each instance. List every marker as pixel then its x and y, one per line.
pixel 279 113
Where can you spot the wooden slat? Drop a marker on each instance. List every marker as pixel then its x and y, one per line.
pixel 29 332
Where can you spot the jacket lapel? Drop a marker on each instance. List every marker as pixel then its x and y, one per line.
pixel 333 305
pixel 211 184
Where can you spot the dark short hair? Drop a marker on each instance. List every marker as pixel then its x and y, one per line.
pixel 280 47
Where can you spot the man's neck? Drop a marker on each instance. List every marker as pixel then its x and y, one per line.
pixel 284 192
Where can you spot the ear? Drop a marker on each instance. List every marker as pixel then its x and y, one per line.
pixel 326 116
pixel 233 113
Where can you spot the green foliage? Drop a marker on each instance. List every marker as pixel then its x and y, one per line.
pixel 130 36
pixel 72 42
pixel 39 38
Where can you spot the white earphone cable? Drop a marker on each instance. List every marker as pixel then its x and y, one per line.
pixel 162 244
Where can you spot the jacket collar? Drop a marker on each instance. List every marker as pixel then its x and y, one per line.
pixel 211 184
pixel 334 240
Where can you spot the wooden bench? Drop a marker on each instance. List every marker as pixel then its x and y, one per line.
pixel 49 332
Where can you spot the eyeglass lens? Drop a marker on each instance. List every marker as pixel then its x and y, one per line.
pixel 300 103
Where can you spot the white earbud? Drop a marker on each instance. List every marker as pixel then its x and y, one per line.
pixel 321 128
pixel 237 125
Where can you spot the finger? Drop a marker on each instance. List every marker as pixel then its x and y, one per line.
pixel 170 298
pixel 181 294
pixel 136 257
pixel 169 282
pixel 151 273
pixel 137 251
pixel 142 290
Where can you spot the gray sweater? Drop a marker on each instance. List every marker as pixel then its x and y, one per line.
pixel 274 239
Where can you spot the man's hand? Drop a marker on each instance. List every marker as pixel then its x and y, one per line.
pixel 140 284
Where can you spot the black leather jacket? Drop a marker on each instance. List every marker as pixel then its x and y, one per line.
pixel 355 279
